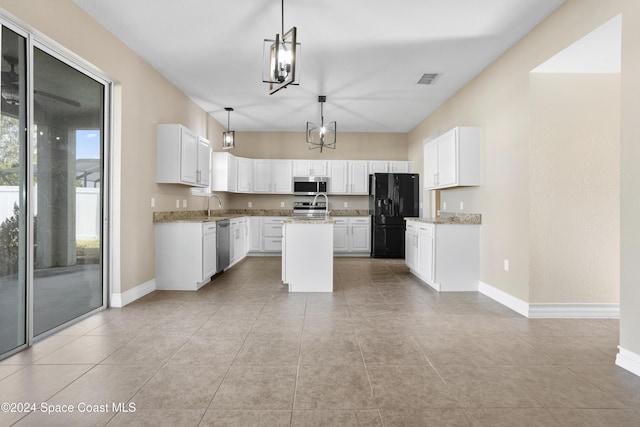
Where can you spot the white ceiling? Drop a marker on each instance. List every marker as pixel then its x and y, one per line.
pixel 366 56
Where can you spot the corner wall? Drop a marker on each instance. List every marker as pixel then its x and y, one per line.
pixel 574 191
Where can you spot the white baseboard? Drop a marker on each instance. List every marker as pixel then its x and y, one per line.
pixel 508 300
pixel 574 311
pixel 628 360
pixel 551 311
pixel 127 297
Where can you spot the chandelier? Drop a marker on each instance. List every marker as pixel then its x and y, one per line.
pixel 280 66
pixel 323 135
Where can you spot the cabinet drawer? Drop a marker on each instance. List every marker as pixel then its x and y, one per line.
pixel 272 230
pixel 343 221
pixel 426 229
pixel 412 226
pixel 208 227
pixel 361 220
pixel 272 244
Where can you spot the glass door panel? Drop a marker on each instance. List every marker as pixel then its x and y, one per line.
pixel 68 176
pixel 13 209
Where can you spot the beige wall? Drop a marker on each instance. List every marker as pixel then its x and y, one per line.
pixel 574 191
pixel 630 179
pixel 349 146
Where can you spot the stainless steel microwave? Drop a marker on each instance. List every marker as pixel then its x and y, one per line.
pixel 310 185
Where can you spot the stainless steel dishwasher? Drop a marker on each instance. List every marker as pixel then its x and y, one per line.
pixel 223 238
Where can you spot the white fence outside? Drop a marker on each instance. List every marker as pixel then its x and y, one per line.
pixel 87 209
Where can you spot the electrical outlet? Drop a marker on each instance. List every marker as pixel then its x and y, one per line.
pixel 184 203
pixel 178 203
pixel 250 204
pixel 282 204
pixel 444 206
pixel 346 204
pixel 153 202
pixel 461 205
pixel 506 265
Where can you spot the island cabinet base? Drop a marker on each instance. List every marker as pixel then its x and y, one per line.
pixel 307 256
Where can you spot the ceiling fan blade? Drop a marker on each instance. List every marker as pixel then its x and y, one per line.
pixel 58 98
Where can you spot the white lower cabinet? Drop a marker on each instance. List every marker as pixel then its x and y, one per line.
pixel 272 234
pixel 425 259
pixel 238 239
pixel 340 235
pixel 255 234
pixel 307 267
pixel 209 252
pixel 352 235
pixel 445 256
pixel 185 254
pixel 411 245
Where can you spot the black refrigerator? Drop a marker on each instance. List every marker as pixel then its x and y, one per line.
pixel 392 197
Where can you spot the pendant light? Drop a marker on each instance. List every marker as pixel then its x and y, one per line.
pixel 228 137
pixel 323 135
pixel 280 66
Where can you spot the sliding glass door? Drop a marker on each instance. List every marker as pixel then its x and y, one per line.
pixel 68 108
pixel 53 119
pixel 13 181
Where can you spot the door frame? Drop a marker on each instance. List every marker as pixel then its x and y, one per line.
pixel 110 213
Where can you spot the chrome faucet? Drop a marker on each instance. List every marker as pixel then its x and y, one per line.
pixel 209 202
pixel 326 200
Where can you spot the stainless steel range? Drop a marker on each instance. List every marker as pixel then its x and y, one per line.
pixel 309 209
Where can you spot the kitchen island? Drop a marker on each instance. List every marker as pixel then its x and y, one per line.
pixel 307 254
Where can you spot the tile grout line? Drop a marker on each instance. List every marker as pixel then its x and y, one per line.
pixel 224 377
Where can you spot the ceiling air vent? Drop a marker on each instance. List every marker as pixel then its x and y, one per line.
pixel 428 78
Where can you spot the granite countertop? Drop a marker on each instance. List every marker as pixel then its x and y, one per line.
pixel 451 218
pixel 303 220
pixel 219 215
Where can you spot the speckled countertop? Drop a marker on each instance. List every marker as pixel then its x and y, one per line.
pixel 303 220
pixel 219 215
pixel 452 218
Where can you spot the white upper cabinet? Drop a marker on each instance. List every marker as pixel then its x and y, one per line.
pixel 430 164
pixel 182 157
pixel 392 166
pixel 272 176
pixel 399 167
pixel 453 159
pixel 245 175
pixel 358 177
pixel 348 177
pixel 310 168
pixel 223 172
pixel 262 176
pixel 338 176
pixel 281 176
pixel 378 166
pixel 204 161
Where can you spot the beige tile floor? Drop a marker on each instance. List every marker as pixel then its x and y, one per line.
pixel 383 350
